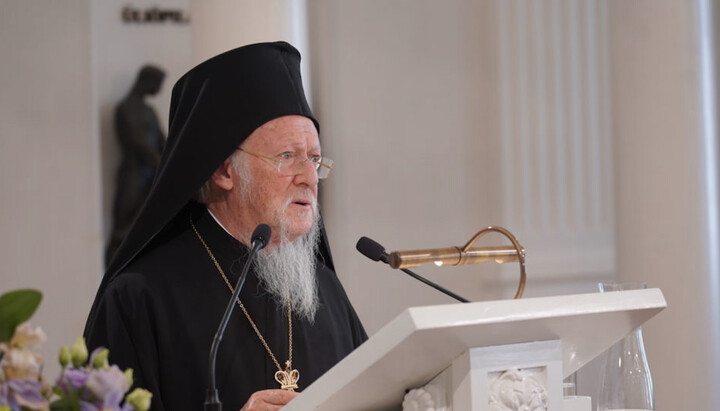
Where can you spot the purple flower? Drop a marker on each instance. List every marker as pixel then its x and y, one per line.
pixel 108 384
pixel 26 393
pixel 72 379
pixel 86 406
pixel 6 399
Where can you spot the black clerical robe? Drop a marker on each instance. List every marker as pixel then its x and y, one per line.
pixel 159 316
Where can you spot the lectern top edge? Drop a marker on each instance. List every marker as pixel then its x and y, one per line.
pixel 488 312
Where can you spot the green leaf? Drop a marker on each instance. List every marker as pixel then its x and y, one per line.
pixel 16 307
pixel 57 391
pixel 61 404
pixel 69 403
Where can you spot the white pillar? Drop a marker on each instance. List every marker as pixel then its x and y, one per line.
pixel 220 25
pixel 666 189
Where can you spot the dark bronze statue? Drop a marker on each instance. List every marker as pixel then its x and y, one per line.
pixel 141 143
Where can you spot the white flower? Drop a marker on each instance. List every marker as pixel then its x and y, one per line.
pixel 21 364
pixel 26 337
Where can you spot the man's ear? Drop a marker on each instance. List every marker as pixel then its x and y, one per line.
pixel 222 176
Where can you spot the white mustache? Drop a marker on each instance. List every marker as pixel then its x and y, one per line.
pixel 311 198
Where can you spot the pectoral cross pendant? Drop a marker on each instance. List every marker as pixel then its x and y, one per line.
pixel 287 379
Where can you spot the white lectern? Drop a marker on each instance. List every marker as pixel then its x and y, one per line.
pixel 463 349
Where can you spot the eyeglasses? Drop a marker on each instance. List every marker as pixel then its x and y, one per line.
pixel 291 164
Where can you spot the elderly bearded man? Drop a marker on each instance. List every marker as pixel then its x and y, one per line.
pixel 242 149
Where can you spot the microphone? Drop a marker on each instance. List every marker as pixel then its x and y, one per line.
pixel 259 239
pixel 374 251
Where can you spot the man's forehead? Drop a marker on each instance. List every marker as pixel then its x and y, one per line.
pixel 287 130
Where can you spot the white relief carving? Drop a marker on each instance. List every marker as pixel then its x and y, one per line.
pixel 517 390
pixel 428 398
pixel 418 400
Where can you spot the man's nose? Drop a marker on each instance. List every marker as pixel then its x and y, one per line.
pixel 307 173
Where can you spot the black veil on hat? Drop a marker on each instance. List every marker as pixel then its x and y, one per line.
pixel 214 108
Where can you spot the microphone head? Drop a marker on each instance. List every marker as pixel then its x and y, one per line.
pixel 261 236
pixel 371 249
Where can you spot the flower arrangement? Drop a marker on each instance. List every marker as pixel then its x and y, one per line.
pixel 86 382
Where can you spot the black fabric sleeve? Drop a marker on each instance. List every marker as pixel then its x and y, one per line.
pixel 124 325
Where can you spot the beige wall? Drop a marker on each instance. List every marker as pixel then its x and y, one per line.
pixel 50 231
pixel 666 163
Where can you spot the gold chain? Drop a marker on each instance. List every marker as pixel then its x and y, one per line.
pixel 289 385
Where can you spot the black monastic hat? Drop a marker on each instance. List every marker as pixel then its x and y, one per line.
pixel 214 108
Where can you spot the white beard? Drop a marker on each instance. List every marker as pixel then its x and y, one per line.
pixel 287 272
